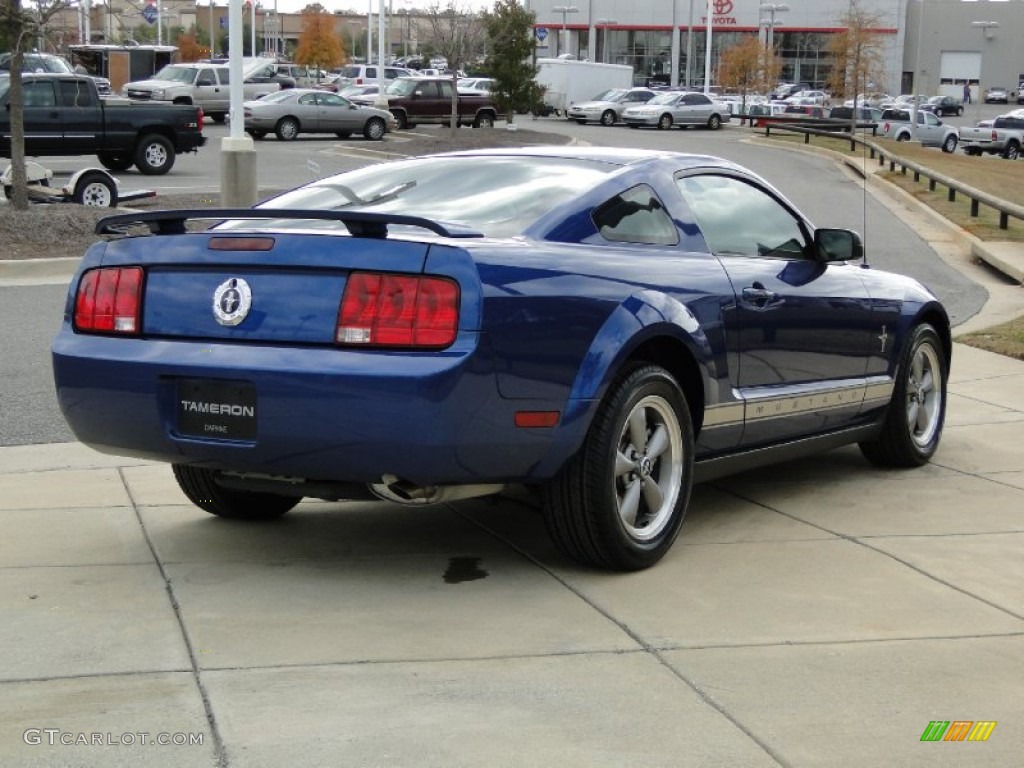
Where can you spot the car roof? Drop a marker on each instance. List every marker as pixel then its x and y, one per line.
pixel 621 156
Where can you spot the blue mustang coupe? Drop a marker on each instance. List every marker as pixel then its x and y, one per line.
pixel 610 325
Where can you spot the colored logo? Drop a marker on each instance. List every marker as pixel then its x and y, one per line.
pixel 231 301
pixel 723 7
pixel 958 730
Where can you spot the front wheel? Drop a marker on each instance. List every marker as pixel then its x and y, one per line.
pixel 608 117
pixel 202 489
pixel 1012 151
pixel 374 129
pixel 917 411
pixel 620 501
pixel 949 145
pixel 256 135
pixel 714 122
pixel 485 120
pixel 95 189
pixel 664 122
pixel 154 155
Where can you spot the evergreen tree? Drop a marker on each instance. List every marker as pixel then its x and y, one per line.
pixel 510 60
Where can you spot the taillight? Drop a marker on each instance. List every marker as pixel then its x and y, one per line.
pixel 995 135
pixel 109 300
pixel 398 311
pixel 200 118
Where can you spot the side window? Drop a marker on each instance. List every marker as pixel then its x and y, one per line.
pixel 739 219
pixel 224 74
pixel 75 94
pixel 39 93
pixel 930 119
pixel 206 77
pixel 371 73
pixel 446 90
pixel 636 216
pixel 307 99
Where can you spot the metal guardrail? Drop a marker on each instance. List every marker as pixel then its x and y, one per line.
pixel 976 196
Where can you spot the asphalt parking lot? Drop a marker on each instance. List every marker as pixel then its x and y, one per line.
pixel 817 613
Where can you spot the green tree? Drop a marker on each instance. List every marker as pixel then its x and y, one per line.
pixel 511 43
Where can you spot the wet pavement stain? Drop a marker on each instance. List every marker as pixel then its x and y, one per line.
pixel 462 569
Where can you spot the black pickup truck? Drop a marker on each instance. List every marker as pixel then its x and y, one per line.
pixel 64 115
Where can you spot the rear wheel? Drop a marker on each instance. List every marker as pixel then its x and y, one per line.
pixel 608 117
pixel 401 120
pixel 485 120
pixel 913 424
pixel 203 490
pixel 287 129
pixel 95 189
pixel 115 161
pixel 154 155
pixel 665 122
pixel 619 503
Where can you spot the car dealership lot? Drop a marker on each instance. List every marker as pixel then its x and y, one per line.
pixel 817 613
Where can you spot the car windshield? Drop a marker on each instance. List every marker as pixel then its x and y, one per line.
pixel 176 74
pixel 457 190
pixel 613 94
pixel 401 87
pixel 664 98
pixel 35 63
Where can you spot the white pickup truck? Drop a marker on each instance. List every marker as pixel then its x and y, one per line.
pixel 1005 136
pixel 931 131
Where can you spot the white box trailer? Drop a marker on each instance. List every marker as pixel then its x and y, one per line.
pixel 567 81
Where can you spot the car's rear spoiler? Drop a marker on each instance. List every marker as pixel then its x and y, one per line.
pixel 358 223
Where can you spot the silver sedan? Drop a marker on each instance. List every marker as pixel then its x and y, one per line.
pixel 677 108
pixel 305 110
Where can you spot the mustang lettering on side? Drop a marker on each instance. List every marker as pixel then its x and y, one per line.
pixel 608 326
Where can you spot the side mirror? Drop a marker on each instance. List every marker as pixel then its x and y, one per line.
pixel 838 244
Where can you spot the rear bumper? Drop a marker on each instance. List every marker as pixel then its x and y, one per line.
pixel 322 413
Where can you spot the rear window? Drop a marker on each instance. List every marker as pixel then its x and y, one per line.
pixel 458 190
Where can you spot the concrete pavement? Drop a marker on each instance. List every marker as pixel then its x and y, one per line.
pixel 818 613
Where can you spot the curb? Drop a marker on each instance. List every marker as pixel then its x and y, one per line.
pixel 38 271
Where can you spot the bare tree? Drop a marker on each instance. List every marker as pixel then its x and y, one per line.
pixel 457 34
pixel 859 50
pixel 22 25
pixel 748 66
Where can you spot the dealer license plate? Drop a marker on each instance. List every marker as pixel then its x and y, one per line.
pixel 224 410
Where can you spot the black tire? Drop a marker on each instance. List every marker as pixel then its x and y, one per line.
pixel 633 125
pixel 114 161
pixel 95 189
pixel 287 129
pixel 218 117
pixel 401 120
pixel 665 122
pixel 257 135
pixel 917 411
pixel 959 111
pixel 374 129
pixel 345 134
pixel 608 117
pixel 154 155
pixel 484 120
pixel 1011 151
pixel 202 489
pixel 972 152
pixel 714 122
pixel 581 122
pixel 903 137
pixel 949 145
pixel 614 471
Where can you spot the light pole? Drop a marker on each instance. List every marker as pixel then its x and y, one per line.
pixel 771 9
pixel 565 10
pixel 353 29
pixel 604 49
pixel 987 33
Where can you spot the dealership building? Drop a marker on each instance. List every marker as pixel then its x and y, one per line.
pixel 946 43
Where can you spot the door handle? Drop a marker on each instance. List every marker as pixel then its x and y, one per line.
pixel 759 294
